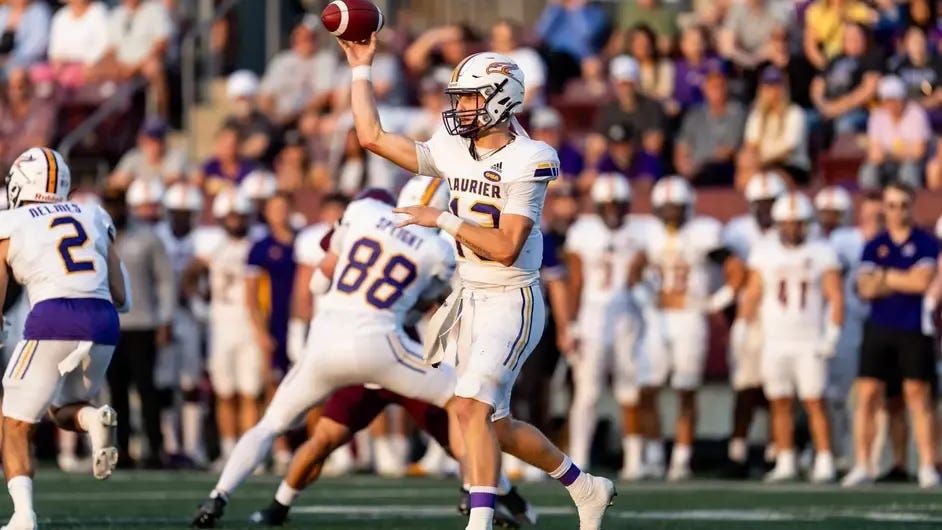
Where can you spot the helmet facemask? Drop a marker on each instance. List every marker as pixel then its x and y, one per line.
pixel 469 123
pixel 793 232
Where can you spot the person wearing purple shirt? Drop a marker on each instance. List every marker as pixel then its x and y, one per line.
pixel 546 125
pixel 225 167
pixel 622 157
pixel 689 71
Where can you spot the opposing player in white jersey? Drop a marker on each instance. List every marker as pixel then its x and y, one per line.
pixel 63 254
pixel 832 206
pixel 375 272
pixel 498 178
pixel 235 363
pixel 740 235
pixel 679 252
pixel 180 365
pixel 599 248
pixel 794 286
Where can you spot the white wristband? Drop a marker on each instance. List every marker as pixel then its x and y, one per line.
pixel 364 71
pixel 449 222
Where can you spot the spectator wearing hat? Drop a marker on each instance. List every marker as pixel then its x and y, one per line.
pixel 898 135
pixel 546 125
pixel 78 40
pixel 643 116
pixel 505 35
pixel 920 71
pixel 138 34
pixel 298 78
pixel 775 137
pixel 26 119
pixel 710 134
pixel 257 134
pixel 655 71
pixel 151 159
pixel 226 167
pixel 848 83
pixel 572 32
pixel 623 156
pixel 25 33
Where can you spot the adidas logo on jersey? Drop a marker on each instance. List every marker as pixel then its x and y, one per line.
pixel 497 167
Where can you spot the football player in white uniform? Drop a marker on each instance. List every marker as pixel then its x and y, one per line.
pixel 679 251
pixel 832 206
pixel 599 248
pixel 740 235
pixel 63 254
pixel 792 281
pixel 180 364
pixel 374 273
pixel 235 364
pixel 498 178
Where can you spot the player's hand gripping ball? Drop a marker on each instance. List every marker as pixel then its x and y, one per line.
pixel 352 20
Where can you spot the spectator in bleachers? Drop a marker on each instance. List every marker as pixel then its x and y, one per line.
pixel 656 73
pixel 775 137
pixel 386 77
pixel 25 36
pixel 642 114
pixel 292 163
pixel 798 72
pixel 78 40
pixel 151 159
pixel 139 31
pixel 257 134
pixel 546 125
pixel 689 71
pixel 26 120
pixel 744 38
pixel 432 100
pixel 711 133
pixel 920 71
pixel 505 39
pixel 825 24
pixel 571 31
pixel 623 156
pixel 352 171
pixel 442 47
pixel 898 137
pixel 848 83
pixel 661 19
pixel 299 77
pixel 226 167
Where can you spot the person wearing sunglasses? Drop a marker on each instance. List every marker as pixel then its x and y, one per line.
pixel 897 267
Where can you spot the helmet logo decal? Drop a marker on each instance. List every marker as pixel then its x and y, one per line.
pixel 501 68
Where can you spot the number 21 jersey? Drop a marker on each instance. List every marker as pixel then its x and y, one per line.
pixel 226 258
pixel 59 250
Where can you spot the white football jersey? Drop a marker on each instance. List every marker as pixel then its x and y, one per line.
pixel 511 180
pixel 225 257
pixel 382 271
pixel 793 304
pixel 606 255
pixel 849 242
pixel 180 249
pixel 741 233
pixel 59 250
pixel 680 259
pixel 307 246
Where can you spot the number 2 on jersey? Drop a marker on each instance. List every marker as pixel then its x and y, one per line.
pixel 69 243
pixel 483 208
pixel 398 273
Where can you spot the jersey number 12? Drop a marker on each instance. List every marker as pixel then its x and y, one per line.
pixel 72 242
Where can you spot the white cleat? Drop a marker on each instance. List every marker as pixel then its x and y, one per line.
pixel 592 507
pixel 857 476
pixel 21 522
pixel 780 474
pixel 652 471
pixel 928 477
pixel 102 436
pixel 70 464
pixel 632 475
pixel 823 471
pixel 679 473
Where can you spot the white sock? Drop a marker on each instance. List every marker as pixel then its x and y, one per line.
pixel 482 517
pixel 582 422
pixel 632 445
pixel 824 458
pixel 21 491
pixel 364 449
pixel 400 446
pixel 738 450
pixel 654 452
pixel 168 428
pixel 86 417
pixel 680 456
pixel 245 457
pixel 511 464
pixel 67 442
pixel 285 494
pixel 786 459
pixel 191 418
pixel 503 484
pixel 226 445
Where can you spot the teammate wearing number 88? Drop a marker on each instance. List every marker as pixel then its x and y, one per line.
pixel 791 282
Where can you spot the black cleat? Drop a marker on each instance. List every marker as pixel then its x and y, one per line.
pixel 896 475
pixel 518 507
pixel 210 512
pixel 274 515
pixel 464 503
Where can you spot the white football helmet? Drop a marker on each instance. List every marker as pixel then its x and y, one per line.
pixel 144 191
pixel 40 174
pixel 424 191
pixel 259 185
pixel 833 198
pixel 183 196
pixel 792 206
pixel 497 79
pixel 672 190
pixel 231 201
pixel 764 186
pixel 610 187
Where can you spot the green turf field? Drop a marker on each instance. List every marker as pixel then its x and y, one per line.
pixel 152 500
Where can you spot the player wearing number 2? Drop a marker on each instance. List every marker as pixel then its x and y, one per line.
pixel 63 254
pixel 792 280
pixel 379 271
pixel 498 178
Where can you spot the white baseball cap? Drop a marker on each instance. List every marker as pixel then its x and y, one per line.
pixel 624 68
pixel 891 87
pixel 242 84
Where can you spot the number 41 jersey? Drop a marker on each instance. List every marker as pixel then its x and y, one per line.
pixel 382 271
pixel 59 250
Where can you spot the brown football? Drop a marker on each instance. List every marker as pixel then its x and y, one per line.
pixel 352 20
